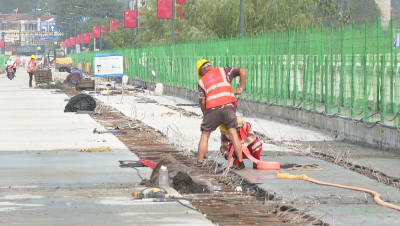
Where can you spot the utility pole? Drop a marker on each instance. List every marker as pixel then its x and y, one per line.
pixel 137 16
pixel 241 18
pixel 4 42
pixel 173 21
pixel 101 20
pixel 90 28
pixel 81 46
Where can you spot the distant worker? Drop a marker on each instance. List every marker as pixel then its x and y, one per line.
pixel 218 104
pixel 23 63
pixel 18 62
pixel 10 62
pixel 31 69
pixel 246 137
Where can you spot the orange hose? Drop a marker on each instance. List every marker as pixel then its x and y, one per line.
pixel 377 199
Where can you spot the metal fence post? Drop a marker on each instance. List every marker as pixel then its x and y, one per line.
pixel 383 107
pixel 295 68
pixel 391 65
pixel 288 66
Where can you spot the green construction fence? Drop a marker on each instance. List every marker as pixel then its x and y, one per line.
pixel 352 70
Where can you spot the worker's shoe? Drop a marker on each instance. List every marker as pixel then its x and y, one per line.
pixel 199 164
pixel 254 166
pixel 241 166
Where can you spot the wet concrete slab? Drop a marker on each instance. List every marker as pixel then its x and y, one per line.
pixel 348 206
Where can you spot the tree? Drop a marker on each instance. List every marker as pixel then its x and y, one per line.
pixel 362 9
pixel 123 38
pixel 396 6
pixel 220 18
pixel 101 9
pixel 24 6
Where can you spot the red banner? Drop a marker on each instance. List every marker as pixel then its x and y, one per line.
pixel 86 38
pixel 164 8
pixel 113 25
pixel 96 31
pixel 63 44
pixel 78 38
pixel 72 41
pixel 1 44
pixel 129 18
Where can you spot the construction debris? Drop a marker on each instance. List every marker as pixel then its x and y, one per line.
pixel 98 149
pixel 101 132
pixel 81 102
pixel 301 167
pixel 43 76
pixel 174 167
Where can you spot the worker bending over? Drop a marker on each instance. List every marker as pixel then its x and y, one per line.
pixel 246 137
pixel 218 104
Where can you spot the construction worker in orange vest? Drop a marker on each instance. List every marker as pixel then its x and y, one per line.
pixel 218 103
pixel 246 137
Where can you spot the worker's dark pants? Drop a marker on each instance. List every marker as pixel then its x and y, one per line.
pixel 30 79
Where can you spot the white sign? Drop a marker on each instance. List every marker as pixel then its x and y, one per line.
pixel 108 65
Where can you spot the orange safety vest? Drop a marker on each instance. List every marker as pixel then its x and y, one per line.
pixel 31 66
pixel 217 88
pixel 253 146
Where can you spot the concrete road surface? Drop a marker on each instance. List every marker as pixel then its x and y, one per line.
pixel 45 180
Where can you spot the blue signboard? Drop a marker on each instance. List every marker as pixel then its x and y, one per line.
pixel 49 26
pixel 44 26
pixel 52 26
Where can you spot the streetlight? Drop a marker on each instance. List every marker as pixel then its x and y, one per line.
pixel 81 26
pixel 69 27
pixel 74 18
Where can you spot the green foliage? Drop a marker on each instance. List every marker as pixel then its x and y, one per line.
pixel 102 9
pixel 122 38
pixel 362 9
pixel 220 18
pixel 24 6
pixel 396 6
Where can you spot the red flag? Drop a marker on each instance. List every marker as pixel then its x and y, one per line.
pixel 62 44
pixel 96 31
pixel 72 41
pixel 164 8
pixel 78 38
pixel 129 18
pixel 1 44
pixel 86 38
pixel 113 25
